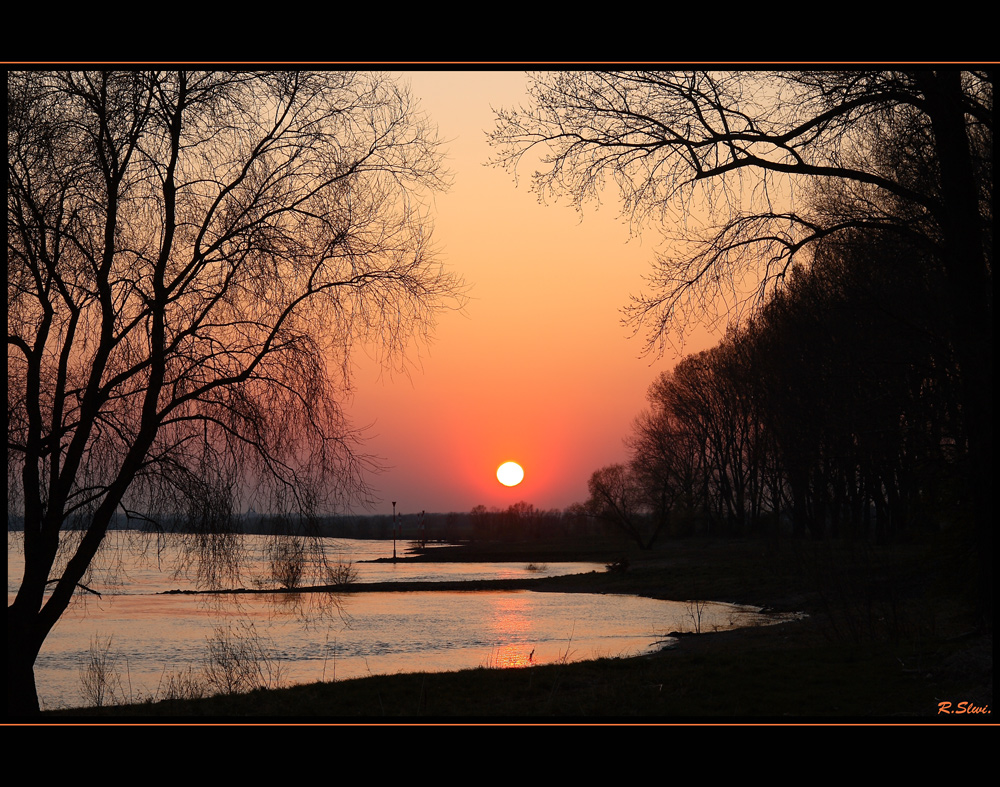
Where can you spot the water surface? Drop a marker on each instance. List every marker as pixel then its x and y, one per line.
pixel 320 636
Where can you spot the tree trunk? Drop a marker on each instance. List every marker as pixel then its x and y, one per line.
pixel 971 300
pixel 23 644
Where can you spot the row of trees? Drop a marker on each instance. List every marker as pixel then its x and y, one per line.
pixel 521 521
pixel 832 412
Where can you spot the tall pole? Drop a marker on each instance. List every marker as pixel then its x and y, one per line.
pixel 394 530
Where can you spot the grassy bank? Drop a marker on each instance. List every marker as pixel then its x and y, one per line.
pixel 886 638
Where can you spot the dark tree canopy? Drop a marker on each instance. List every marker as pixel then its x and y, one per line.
pixel 831 411
pixel 191 256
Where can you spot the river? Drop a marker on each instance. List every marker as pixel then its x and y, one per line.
pixel 147 637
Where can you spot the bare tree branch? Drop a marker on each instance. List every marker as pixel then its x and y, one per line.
pixel 719 162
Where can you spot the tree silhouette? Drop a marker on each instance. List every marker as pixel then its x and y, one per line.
pixel 191 256
pixel 617 497
pixel 668 460
pixel 741 146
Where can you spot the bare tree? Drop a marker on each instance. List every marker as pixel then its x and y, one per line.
pixel 740 147
pixel 669 460
pixel 191 256
pixel 617 497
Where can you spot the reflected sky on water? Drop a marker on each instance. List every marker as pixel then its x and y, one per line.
pixel 321 636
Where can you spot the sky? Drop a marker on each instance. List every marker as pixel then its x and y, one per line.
pixel 537 368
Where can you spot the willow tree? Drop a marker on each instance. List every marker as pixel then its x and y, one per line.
pixel 722 161
pixel 190 258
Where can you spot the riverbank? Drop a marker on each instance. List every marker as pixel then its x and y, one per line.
pixel 884 639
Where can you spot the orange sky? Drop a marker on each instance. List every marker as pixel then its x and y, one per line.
pixel 538 369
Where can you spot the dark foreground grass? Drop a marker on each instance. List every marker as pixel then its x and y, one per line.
pixel 794 680
pixel 884 641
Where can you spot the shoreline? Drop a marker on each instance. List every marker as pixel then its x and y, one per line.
pixel 836 663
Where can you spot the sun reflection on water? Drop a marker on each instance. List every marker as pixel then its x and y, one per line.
pixel 511 625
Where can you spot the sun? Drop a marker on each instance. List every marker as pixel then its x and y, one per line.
pixel 510 474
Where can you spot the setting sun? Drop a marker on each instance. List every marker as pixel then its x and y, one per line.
pixel 510 474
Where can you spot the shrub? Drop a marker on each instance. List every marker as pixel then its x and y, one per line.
pixel 288 555
pixel 341 574
pixel 238 661
pixel 100 677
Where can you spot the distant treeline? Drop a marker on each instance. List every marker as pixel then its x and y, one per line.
pixel 518 522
